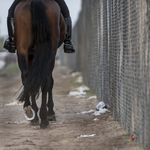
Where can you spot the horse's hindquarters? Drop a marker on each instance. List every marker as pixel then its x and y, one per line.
pixel 39 25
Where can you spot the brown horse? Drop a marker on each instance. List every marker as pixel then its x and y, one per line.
pixel 39 31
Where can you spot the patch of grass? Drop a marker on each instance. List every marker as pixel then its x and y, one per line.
pixel 11 68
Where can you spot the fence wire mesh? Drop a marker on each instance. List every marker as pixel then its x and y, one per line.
pixel 112 39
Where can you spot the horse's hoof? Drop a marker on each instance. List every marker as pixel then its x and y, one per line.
pixel 29 113
pixel 34 123
pixel 52 118
pixel 43 125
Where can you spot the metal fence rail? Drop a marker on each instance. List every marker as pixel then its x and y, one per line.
pixel 112 38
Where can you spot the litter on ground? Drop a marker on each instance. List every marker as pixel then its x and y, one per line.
pixel 94 112
pixel 73 74
pixel 83 88
pixel 80 91
pixel 84 136
pixel 96 119
pixel 99 110
pixel 75 93
pixel 100 105
pixel 87 112
pixel 92 97
pixel 80 96
pixel 79 80
pixel 14 103
pixel 2 64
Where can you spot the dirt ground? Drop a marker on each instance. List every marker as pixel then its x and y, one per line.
pixel 70 129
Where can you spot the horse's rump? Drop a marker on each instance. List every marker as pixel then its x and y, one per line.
pixel 23 22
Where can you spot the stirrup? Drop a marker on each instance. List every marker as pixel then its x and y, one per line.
pixel 69 48
pixel 9 46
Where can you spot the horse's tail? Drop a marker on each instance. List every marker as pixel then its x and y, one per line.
pixel 40 68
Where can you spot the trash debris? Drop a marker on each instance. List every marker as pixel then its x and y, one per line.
pixel 14 103
pixel 100 105
pixel 94 112
pixel 73 74
pixel 96 119
pixel 87 112
pixel 2 64
pixel 80 91
pixel 84 136
pixel 80 96
pixel 79 80
pixel 132 137
pixel 92 97
pixel 101 111
pixel 75 93
pixel 83 88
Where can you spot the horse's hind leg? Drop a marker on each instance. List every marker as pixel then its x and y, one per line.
pixel 23 65
pixel 43 111
pixel 22 62
pixel 35 121
pixel 50 104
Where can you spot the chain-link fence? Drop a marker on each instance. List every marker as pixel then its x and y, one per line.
pixel 112 39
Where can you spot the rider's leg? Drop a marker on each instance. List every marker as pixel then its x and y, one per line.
pixel 68 45
pixel 10 42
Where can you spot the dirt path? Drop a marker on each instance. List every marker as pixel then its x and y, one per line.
pixel 68 131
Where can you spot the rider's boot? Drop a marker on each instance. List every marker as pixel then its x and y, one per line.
pixel 68 45
pixel 10 42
